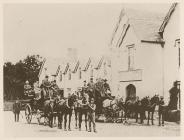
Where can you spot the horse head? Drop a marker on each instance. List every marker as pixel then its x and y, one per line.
pixel 145 101
pixel 155 100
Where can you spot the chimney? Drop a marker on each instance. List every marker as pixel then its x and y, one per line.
pixel 72 54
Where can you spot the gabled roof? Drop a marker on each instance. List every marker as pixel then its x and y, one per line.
pixel 145 25
pixel 85 63
pixel 74 66
pixel 50 65
pixel 167 17
pixel 66 68
pixel 97 63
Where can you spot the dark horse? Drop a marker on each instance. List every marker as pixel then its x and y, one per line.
pixel 149 106
pixel 140 107
pixel 133 106
pixel 65 108
pixel 49 112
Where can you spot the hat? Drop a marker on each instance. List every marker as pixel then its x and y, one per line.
pixel 105 80
pixel 161 97
pixel 27 82
pixel 46 76
pixel 91 78
pixel 84 80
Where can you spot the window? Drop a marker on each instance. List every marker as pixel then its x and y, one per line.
pixel 60 76
pixel 80 73
pixel 131 57
pixel 69 75
pixel 177 44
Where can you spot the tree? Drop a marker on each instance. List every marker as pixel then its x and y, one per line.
pixel 15 75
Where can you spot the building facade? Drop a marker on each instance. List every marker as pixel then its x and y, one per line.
pixel 144 56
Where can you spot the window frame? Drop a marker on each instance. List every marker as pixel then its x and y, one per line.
pixel 131 60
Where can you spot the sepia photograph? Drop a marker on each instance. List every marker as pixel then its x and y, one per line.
pixel 91 70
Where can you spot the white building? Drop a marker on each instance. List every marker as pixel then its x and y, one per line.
pixel 143 53
pixel 71 72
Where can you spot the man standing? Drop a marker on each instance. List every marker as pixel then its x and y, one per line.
pixel 174 91
pixel 84 88
pixel 91 87
pixel 16 110
pixel 91 115
pixel 161 111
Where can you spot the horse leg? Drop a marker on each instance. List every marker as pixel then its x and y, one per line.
pixel 163 118
pixel 80 120
pixel 45 120
pixel 148 117
pixel 86 120
pixel 159 117
pixel 136 115
pixel 59 120
pixel 75 118
pixel 51 120
pixel 65 121
pixel 54 119
pixel 142 116
pixel 152 117
pixel 121 116
pixel 70 115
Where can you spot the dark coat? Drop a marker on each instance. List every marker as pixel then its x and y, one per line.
pixel 16 107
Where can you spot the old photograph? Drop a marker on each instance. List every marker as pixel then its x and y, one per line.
pixel 91 69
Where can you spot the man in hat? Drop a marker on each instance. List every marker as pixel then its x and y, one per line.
pixel 106 87
pixel 174 91
pixel 84 88
pixel 46 85
pixel 28 92
pixel 37 91
pixel 55 88
pixel 161 111
pixel 91 86
pixel 91 115
pixel 16 109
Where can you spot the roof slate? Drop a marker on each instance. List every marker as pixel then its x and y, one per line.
pixel 145 24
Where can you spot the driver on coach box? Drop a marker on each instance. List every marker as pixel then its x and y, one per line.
pixel 46 85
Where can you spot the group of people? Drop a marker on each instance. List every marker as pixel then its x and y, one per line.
pixel 49 90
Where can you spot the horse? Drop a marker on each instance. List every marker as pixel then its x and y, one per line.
pixel 49 112
pixel 132 106
pixel 60 108
pixel 47 105
pixel 65 109
pixel 149 106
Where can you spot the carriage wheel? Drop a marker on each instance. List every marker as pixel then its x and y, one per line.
pixel 38 116
pixel 28 113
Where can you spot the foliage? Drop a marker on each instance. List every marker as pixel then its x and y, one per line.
pixel 16 74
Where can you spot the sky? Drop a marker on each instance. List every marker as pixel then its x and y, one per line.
pixel 49 29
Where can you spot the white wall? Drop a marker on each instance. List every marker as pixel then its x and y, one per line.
pixel 147 57
pixel 171 69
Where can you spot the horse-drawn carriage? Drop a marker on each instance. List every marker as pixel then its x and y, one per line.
pixel 38 106
pixel 33 108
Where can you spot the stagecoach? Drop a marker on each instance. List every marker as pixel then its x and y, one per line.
pixel 32 110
